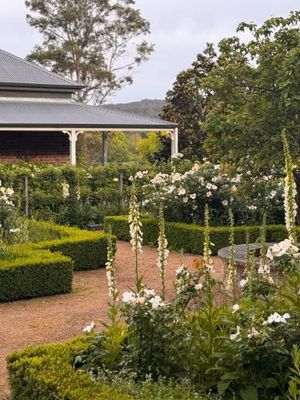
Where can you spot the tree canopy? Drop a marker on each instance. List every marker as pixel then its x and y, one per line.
pixel 255 94
pixel 93 42
pixel 186 104
pixel 233 106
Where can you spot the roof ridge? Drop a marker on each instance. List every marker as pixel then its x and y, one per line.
pixel 38 67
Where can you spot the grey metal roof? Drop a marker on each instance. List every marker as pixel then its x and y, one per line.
pixel 44 114
pixel 15 71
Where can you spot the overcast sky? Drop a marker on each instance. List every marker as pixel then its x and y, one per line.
pixel 179 30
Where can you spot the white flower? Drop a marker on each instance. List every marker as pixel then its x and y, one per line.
pixel 199 286
pixel 209 194
pixel 225 203
pixel 9 191
pixel 282 248
pixel 185 199
pixel 237 179
pixel 117 180
pixel 128 298
pixel 235 308
pixel 193 196
pixel 66 190
pixel 176 177
pixel 14 230
pixel 89 328
pixel 253 333
pixel 149 292
pixel 180 269
pixel 243 282
pixel 139 175
pixel 277 318
pixel 135 225
pixel 236 336
pixel 181 192
pixel 264 269
pixel 177 155
pixel 159 179
pixel 156 302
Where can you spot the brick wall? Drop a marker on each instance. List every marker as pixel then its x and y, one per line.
pixel 34 147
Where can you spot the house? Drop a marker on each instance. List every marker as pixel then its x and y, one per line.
pixel 39 121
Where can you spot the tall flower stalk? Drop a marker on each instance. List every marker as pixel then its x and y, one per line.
pixel 136 234
pixel 111 276
pixel 290 193
pixel 208 261
pixel 163 251
pixel 231 267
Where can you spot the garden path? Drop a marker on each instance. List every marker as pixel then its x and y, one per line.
pixel 58 318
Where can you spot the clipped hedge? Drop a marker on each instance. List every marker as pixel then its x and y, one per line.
pixel 46 373
pixel 87 249
pixel 190 238
pixel 32 273
pixel 45 266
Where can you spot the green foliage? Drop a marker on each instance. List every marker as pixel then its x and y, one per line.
pixel 86 41
pixel 93 191
pixel 254 95
pixel 149 145
pixel 90 148
pixel 26 272
pixel 189 237
pixel 294 383
pixel 46 373
pixel 186 104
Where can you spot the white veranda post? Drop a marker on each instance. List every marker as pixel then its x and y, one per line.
pixel 174 141
pixel 73 135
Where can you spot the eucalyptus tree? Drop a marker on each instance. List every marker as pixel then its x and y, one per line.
pixel 97 43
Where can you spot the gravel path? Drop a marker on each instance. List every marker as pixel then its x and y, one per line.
pixel 58 318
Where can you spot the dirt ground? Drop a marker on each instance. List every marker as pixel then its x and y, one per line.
pixel 58 318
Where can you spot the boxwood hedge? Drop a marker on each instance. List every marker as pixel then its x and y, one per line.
pixel 31 273
pixel 46 373
pixel 190 238
pixel 45 265
pixel 87 249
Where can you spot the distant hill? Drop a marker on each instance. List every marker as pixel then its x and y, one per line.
pixel 146 107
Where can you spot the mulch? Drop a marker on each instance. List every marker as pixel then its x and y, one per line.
pixel 58 318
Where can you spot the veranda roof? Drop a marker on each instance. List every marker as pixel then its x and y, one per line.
pixel 52 114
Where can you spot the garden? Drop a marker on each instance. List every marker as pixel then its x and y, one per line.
pixel 234 334
pixel 179 323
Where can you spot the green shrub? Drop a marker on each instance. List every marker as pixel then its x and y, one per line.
pixel 46 373
pixel 45 266
pixel 30 273
pixel 190 238
pixel 87 249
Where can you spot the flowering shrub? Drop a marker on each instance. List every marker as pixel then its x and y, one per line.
pixel 13 228
pixel 83 196
pixel 185 194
